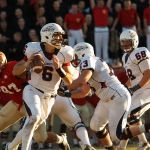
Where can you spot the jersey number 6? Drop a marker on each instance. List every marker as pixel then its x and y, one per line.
pixel 47 73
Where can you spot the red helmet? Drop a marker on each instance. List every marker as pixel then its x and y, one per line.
pixel 3 61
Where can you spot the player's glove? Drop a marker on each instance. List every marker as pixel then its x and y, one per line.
pixel 134 88
pixel 37 63
pixel 64 92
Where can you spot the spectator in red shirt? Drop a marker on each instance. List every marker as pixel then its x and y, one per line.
pixel 127 17
pixel 147 24
pixel 74 22
pixel 101 31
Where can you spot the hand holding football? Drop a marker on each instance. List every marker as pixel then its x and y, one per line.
pixel 37 63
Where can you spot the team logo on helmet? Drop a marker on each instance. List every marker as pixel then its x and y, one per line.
pixel 49 29
pixel 132 35
pixel 81 48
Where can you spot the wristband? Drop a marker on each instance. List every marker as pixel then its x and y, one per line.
pixel 61 72
pixel 134 88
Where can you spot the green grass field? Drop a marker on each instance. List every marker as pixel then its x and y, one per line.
pixel 129 148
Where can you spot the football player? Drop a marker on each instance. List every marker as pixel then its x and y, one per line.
pixel 11 88
pixel 115 100
pixel 136 61
pixel 10 94
pixel 65 109
pixel 39 94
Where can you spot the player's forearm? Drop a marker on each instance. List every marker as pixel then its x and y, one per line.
pixel 65 76
pixel 145 79
pixel 128 83
pixel 67 79
pixel 76 83
pixel 78 93
pixel 20 68
pixel 81 92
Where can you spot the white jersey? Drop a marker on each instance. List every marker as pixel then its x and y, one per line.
pixel 48 80
pixel 135 64
pixel 74 74
pixel 102 81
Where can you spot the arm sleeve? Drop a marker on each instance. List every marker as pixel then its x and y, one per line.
pixel 144 65
pixel 88 63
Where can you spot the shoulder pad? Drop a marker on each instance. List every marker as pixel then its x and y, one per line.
pixel 31 48
pixel 139 54
pixel 65 55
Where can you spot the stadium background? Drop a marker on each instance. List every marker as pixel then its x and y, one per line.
pixel 21 21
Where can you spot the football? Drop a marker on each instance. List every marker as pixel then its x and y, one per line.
pixel 37 63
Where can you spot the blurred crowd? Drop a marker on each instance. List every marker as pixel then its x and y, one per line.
pixel 98 22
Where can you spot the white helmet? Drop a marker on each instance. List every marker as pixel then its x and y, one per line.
pixel 48 33
pixel 3 61
pixel 129 35
pixel 81 49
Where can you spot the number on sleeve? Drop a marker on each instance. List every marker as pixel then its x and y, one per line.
pixel 85 63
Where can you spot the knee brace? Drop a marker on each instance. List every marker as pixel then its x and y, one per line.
pixel 102 134
pixel 126 134
pixel 79 125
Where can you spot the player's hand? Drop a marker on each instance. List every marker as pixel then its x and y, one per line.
pixel 63 92
pixel 56 62
pixel 28 63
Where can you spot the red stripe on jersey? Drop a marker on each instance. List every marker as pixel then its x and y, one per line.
pixel 66 64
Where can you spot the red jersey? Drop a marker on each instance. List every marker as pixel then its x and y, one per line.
pixel 10 86
pixel 93 100
pixel 74 21
pixel 121 74
pixel 147 15
pixel 101 16
pixel 127 18
pixel 79 101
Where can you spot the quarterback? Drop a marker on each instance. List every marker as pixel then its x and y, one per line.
pixel 11 88
pixel 39 95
